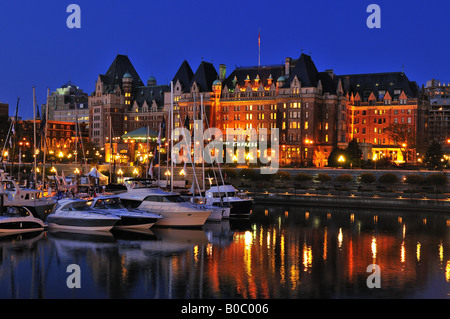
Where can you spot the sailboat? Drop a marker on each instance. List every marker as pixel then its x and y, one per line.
pixel 176 212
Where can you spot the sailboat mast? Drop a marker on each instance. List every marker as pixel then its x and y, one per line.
pixel 110 149
pixel 203 161
pixel 34 143
pixel 45 141
pixel 171 139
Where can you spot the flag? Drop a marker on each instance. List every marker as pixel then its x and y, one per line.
pixel 150 170
pixel 259 37
pixel 159 136
pixel 38 115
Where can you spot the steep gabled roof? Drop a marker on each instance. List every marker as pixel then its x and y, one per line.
pixel 116 71
pixel 184 75
pixel 150 94
pixel 205 75
pixel 392 82
pixel 306 71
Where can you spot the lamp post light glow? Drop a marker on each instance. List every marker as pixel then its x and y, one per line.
pixel 341 159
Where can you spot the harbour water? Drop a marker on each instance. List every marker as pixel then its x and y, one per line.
pixel 281 252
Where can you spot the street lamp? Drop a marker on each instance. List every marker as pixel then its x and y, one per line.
pixel 120 172
pixel 341 159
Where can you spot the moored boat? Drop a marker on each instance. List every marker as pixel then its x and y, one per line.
pixel 241 206
pixel 75 214
pixel 176 212
pixel 129 218
pixel 19 220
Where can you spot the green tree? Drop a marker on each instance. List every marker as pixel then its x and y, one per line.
pixel 434 154
pixel 354 152
pixel 339 158
pixel 403 135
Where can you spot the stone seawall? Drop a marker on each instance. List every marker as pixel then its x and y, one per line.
pixel 414 204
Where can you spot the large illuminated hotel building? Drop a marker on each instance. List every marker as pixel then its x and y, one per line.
pixel 315 111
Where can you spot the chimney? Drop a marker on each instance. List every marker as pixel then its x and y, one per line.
pixel 330 72
pixel 287 66
pixel 222 72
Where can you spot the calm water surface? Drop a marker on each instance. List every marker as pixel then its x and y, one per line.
pixel 281 252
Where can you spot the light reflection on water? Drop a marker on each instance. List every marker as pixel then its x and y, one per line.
pixel 281 252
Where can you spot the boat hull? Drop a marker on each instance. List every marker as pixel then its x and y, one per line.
pixel 20 226
pixel 68 223
pixel 183 219
pixel 240 208
pixel 135 222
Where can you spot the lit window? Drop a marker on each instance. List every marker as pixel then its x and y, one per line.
pixel 306 125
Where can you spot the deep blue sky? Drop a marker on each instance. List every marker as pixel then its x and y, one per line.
pixel 37 49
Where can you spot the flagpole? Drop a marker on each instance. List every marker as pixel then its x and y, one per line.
pixel 45 140
pixel 148 157
pixel 34 128
pixel 203 160
pixel 259 47
pixel 171 139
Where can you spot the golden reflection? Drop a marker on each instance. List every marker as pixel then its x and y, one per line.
pixel 340 238
pixel 352 218
pixel 400 219
pixel 441 252
pixel 373 247
pixel 196 253
pixel 248 238
pixel 375 219
pixel 294 274
pixel 418 246
pixel 325 244
pixel 447 271
pixel 209 250
pixel 307 257
pixel 402 252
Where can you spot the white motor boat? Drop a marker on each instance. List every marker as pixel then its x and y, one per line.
pixel 176 212
pixel 32 199
pixel 75 214
pixel 227 195
pixel 217 212
pixel 18 220
pixel 129 217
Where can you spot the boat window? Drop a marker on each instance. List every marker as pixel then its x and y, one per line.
pixel 153 199
pixel 173 199
pixel 112 203
pixel 83 206
pixel 13 211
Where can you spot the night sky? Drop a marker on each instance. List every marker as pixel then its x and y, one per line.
pixel 38 49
